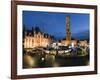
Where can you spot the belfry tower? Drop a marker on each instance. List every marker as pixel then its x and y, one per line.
pixel 68 33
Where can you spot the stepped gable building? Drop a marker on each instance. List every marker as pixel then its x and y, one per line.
pixel 36 38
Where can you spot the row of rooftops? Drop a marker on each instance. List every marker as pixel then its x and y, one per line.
pixel 36 31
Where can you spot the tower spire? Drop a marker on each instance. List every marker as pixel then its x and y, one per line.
pixel 68 32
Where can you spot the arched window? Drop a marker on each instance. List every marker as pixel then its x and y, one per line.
pixel 32 40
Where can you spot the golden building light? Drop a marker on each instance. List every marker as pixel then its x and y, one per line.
pixel 36 39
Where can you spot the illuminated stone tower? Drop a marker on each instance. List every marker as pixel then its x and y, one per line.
pixel 68 33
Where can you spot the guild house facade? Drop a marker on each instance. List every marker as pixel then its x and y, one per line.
pixel 34 38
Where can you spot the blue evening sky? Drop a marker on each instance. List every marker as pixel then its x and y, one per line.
pixel 54 23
